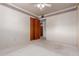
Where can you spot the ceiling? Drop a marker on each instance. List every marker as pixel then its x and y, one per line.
pixel 54 7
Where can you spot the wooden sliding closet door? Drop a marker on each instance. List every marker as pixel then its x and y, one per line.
pixel 37 29
pixel 34 29
pixel 41 30
pixel 32 37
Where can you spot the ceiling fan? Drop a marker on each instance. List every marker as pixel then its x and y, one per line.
pixel 42 5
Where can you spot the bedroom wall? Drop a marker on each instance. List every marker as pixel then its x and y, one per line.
pixel 77 25
pixel 14 28
pixel 62 28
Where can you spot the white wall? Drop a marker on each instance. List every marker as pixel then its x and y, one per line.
pixel 62 28
pixel 14 28
pixel 77 25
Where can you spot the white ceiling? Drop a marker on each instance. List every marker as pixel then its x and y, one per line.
pixel 55 7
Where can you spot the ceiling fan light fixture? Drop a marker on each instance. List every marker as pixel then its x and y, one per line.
pixel 42 5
